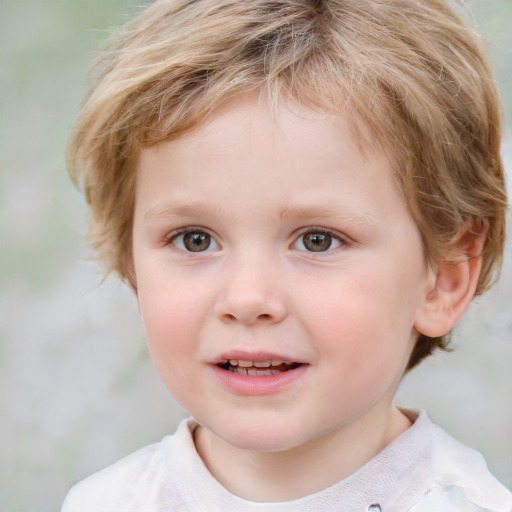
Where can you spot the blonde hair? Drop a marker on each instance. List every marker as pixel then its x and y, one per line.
pixel 412 72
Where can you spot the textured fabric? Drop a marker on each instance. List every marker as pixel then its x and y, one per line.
pixel 424 470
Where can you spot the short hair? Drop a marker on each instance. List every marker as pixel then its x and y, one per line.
pixel 411 75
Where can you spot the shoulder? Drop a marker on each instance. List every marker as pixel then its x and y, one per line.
pixel 449 499
pixel 117 485
pixel 126 485
pixel 460 479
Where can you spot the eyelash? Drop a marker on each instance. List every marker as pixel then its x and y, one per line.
pixel 342 240
pixel 172 237
pixel 334 237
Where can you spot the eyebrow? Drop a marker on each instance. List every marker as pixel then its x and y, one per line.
pixel 286 211
pixel 180 210
pixel 298 211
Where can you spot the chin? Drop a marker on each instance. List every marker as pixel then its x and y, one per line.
pixel 268 437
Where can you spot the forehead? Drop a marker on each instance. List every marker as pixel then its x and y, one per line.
pixel 243 125
pixel 247 159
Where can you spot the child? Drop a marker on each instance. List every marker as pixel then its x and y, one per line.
pixel 305 196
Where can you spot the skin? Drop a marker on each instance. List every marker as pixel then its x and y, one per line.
pixel 255 186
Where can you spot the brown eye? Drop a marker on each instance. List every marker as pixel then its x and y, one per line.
pixel 317 241
pixel 194 241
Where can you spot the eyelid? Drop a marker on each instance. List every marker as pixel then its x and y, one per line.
pixel 173 235
pixel 343 239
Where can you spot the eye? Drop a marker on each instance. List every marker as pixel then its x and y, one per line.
pixel 317 241
pixel 194 241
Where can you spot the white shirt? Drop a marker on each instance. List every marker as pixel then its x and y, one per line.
pixel 424 470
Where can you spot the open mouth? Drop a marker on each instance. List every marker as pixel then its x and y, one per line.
pixel 257 368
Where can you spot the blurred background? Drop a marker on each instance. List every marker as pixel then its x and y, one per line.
pixel 77 387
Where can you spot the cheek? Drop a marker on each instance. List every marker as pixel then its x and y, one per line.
pixel 166 300
pixel 170 322
pixel 171 345
pixel 362 321
pixel 362 345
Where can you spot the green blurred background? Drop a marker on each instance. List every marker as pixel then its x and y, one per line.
pixel 77 387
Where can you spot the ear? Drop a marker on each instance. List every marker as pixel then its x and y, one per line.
pixel 452 287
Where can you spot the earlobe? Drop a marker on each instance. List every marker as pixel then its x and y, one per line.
pixel 452 288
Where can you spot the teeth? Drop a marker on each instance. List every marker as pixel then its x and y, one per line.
pixel 261 364
pixel 256 364
pixel 252 371
pixel 268 367
pixel 256 367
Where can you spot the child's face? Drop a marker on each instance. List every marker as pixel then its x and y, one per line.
pixel 265 242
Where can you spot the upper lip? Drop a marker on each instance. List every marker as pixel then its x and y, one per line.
pixel 243 355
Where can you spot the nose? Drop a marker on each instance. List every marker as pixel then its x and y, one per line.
pixel 251 293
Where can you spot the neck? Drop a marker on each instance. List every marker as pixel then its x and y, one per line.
pixel 302 470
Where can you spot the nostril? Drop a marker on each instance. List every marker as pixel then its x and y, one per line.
pixel 249 307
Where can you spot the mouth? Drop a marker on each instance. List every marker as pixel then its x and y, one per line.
pixel 257 368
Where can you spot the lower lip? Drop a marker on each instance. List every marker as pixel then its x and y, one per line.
pixel 257 384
